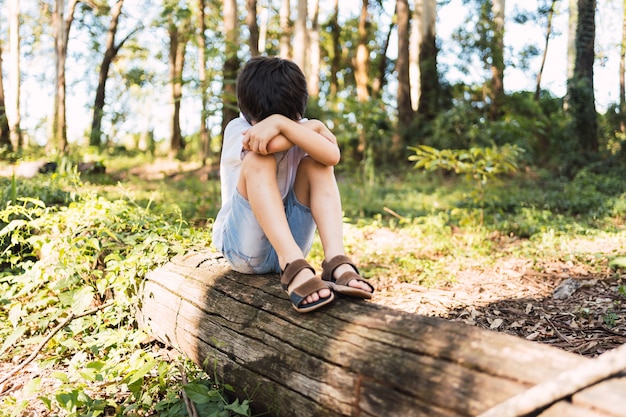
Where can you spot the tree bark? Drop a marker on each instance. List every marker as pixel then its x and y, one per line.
pixel 205 142
pixel 314 52
pixel 62 25
pixel 361 63
pixel 231 63
pixel 335 60
pixel 178 45
pixel 285 29
pixel 95 137
pixel 545 48
pixel 352 358
pixel 405 109
pixel 497 60
pixel 14 111
pixel 253 27
pixel 428 103
pixel 580 89
pixel 300 37
pixel 622 74
pixel 5 140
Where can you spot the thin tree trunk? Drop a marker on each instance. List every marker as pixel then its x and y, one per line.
pixel 95 137
pixel 201 39
pixel 178 44
pixel 545 49
pixel 430 89
pixel 379 82
pixel 14 113
pixel 231 63
pixel 315 54
pixel 253 27
pixel 264 16
pixel 497 58
pixel 571 38
pixel 622 71
pixel 336 50
pixel 362 56
pixel 5 141
pixel 285 29
pixel 404 107
pixel 300 40
pixel 405 111
pixel 62 26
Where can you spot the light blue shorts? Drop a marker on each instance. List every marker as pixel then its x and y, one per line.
pixel 245 245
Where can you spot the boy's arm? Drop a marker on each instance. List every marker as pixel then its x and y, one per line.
pixel 278 133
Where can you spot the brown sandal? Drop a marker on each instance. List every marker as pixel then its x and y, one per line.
pixel 340 284
pixel 301 292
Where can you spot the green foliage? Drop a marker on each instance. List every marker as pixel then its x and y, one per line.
pixel 78 268
pixel 479 166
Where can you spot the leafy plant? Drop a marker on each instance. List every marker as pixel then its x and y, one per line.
pixel 479 166
pixel 69 299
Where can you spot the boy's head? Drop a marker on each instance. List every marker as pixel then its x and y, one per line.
pixel 271 85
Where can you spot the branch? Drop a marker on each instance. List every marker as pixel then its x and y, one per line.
pixel 50 335
pixel 562 385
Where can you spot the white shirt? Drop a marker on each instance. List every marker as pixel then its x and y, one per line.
pixel 230 168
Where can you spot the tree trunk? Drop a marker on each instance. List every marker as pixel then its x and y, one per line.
pixel 314 52
pixel 231 63
pixel 361 63
pixel 13 109
pixel 545 49
pixel 405 110
pixel 5 140
pixel 381 78
pixel 430 89
pixel 178 44
pixel 300 38
pixel 285 29
pixel 335 60
pixel 253 27
pixel 205 142
pixel 622 74
pixel 581 97
pixel 497 60
pixel 95 137
pixel 571 39
pixel 62 25
pixel 352 358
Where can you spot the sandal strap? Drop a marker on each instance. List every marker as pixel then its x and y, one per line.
pixel 291 270
pixel 328 268
pixel 307 288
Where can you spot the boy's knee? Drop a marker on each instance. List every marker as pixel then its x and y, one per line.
pixel 256 163
pixel 312 167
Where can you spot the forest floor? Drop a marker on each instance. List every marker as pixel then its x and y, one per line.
pixel 564 304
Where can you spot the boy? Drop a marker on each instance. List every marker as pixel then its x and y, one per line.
pixel 278 185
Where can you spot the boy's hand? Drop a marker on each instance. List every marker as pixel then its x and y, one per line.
pixel 258 137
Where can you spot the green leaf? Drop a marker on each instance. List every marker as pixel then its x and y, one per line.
pixel 82 299
pixel 140 373
pixel 199 394
pixel 13 338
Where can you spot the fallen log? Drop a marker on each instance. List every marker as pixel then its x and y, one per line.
pixel 352 358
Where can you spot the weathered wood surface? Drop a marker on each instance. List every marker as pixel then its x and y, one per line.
pixel 352 358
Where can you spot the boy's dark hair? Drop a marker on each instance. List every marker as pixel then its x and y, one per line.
pixel 271 85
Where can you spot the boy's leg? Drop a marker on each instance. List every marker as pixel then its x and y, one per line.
pixel 258 184
pixel 316 187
